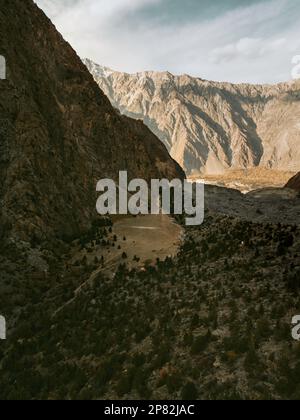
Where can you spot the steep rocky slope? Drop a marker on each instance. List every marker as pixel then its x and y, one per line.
pixel 294 183
pixel 58 133
pixel 213 323
pixel 207 126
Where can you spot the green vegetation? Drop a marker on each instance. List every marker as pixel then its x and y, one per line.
pixel 213 323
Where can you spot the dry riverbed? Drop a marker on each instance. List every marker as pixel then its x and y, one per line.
pixel 248 179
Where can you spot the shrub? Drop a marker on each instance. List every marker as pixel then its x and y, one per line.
pixel 200 343
pixel 189 392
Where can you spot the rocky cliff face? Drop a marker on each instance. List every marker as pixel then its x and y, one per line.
pixel 58 132
pixel 209 127
pixel 294 183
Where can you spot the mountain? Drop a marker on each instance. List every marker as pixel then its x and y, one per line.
pixel 59 134
pixel 294 183
pixel 209 127
pixel 93 311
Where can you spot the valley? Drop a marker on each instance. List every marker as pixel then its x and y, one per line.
pixel 196 325
pixel 110 308
pixel 138 242
pixel 248 179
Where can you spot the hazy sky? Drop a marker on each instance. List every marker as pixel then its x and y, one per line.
pixel 229 40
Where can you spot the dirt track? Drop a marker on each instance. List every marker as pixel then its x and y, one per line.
pixel 143 239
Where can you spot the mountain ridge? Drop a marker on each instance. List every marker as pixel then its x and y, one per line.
pixel 109 71
pixel 209 127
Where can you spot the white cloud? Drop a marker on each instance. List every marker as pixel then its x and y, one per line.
pixel 249 43
pixel 249 48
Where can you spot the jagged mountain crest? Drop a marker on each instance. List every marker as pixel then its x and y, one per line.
pixel 209 127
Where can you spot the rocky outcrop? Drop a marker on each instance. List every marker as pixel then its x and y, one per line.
pixel 59 134
pixel 294 183
pixel 209 127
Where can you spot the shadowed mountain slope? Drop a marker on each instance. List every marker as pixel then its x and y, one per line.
pixel 58 133
pixel 294 183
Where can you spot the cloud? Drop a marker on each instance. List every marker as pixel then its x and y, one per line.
pixel 97 11
pixel 249 48
pixel 252 42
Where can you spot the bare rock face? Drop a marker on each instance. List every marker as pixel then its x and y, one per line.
pixel 294 183
pixel 58 133
pixel 209 127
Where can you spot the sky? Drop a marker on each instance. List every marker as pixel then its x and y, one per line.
pixel 251 41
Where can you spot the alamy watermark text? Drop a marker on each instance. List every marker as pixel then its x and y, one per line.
pixel 161 197
pixel 296 68
pixel 2 328
pixel 2 68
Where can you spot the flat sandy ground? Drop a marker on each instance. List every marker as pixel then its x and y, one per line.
pixel 143 239
pixel 248 180
pixel 149 237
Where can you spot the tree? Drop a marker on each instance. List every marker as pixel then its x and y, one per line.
pixel 124 385
pixel 200 343
pixel 189 392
